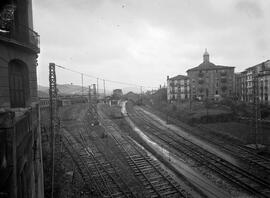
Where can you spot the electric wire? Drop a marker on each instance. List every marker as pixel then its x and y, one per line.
pixel 103 79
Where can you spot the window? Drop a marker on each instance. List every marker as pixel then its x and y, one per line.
pixel 7 10
pixel 18 84
pixel 200 74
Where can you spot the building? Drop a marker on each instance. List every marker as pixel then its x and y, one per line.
pixel 178 88
pixel 211 81
pixel 117 93
pixel 237 86
pixel 255 81
pixel 21 167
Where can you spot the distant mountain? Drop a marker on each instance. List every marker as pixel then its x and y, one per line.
pixel 43 94
pixel 68 89
pixel 131 89
pixel 43 88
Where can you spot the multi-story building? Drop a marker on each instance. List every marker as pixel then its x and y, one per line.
pixel 178 88
pixel 211 81
pixel 255 82
pixel 21 168
pixel 237 85
pixel 243 86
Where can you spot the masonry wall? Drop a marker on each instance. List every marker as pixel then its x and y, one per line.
pixel 217 82
pixel 8 53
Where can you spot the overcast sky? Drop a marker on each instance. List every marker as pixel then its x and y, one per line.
pixel 143 41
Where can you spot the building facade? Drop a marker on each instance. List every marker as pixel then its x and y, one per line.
pixel 21 167
pixel 237 86
pixel 255 82
pixel 178 88
pixel 211 81
pixel 117 93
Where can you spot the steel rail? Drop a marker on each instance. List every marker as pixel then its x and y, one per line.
pixel 248 174
pixel 113 179
pixel 151 126
pixel 83 163
pixel 144 158
pixel 99 173
pixel 265 164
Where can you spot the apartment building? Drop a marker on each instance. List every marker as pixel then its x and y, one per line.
pixel 208 80
pixel 178 88
pixel 255 82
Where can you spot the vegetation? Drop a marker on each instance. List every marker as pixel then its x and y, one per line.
pixel 217 117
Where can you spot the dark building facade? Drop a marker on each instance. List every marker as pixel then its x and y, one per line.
pixel 21 167
pixel 211 81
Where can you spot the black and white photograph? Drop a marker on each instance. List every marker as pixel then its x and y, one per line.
pixel 134 98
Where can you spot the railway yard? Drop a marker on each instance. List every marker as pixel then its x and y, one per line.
pixel 134 153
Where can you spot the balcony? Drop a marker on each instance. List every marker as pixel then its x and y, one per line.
pixel 22 36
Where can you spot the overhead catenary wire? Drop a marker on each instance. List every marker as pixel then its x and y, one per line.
pixel 103 79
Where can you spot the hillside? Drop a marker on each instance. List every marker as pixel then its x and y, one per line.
pixel 66 89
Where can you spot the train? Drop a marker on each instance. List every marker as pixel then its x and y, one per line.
pixel 44 103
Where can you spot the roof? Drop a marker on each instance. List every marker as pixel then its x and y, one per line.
pixel 254 67
pixel 179 77
pixel 207 65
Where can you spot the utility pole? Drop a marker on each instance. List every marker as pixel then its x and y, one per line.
pixel 89 95
pixel 53 117
pixel 104 88
pixel 141 95
pixel 94 105
pixel 206 105
pixel 256 107
pixel 82 82
pixel 97 89
pixel 189 97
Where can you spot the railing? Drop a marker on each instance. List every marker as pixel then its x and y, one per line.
pixel 23 35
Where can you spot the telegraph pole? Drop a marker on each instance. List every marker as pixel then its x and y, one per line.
pixel 104 88
pixel 190 97
pixel 94 103
pixel 53 117
pixel 82 82
pixel 97 88
pixel 256 108
pixel 89 95
pixel 141 95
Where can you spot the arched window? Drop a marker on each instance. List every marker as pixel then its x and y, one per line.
pixel 18 84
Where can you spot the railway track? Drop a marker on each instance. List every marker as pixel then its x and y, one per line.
pixel 254 160
pixel 156 181
pixel 95 168
pixel 82 168
pixel 241 178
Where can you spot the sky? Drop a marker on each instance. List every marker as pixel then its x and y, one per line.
pixel 144 41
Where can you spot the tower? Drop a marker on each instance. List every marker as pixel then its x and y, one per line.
pixel 206 56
